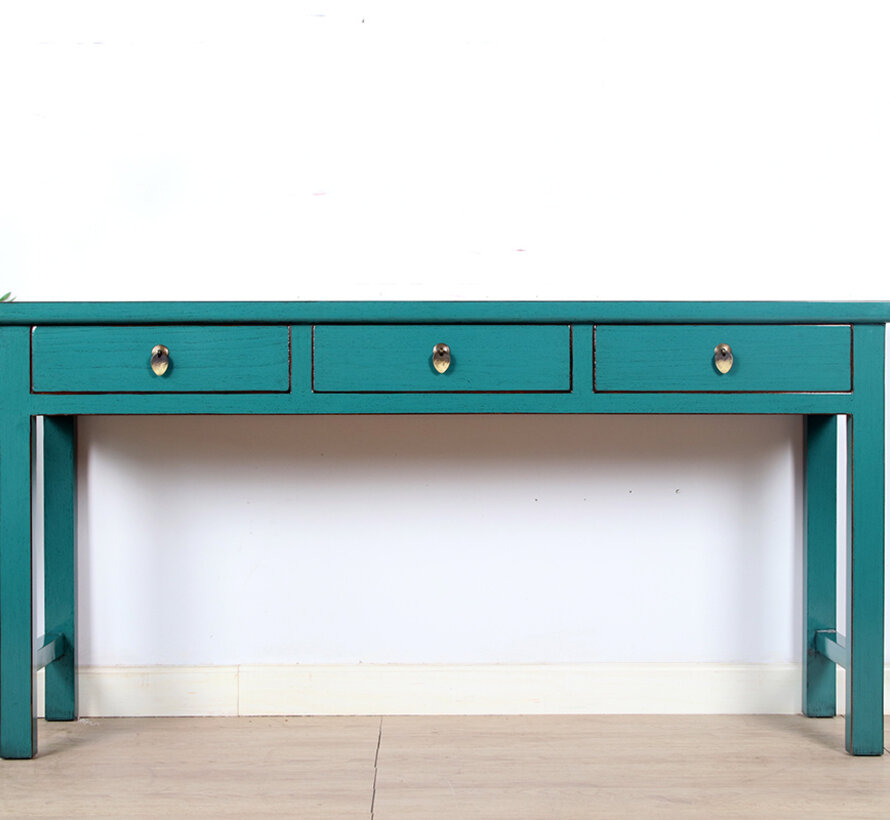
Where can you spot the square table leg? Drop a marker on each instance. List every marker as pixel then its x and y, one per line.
pixel 18 726
pixel 60 561
pixel 865 552
pixel 819 562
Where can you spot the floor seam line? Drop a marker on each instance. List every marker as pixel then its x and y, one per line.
pixel 376 758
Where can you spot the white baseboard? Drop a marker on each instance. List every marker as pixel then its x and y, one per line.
pixel 388 689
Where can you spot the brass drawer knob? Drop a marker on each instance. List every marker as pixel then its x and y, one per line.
pixel 723 358
pixel 160 359
pixel 441 357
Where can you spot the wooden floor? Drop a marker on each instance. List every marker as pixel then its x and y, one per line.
pixel 459 768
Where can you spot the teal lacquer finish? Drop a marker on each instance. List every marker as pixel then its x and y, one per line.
pixel 833 647
pixel 792 358
pixel 507 357
pixel 60 561
pixel 50 648
pixel 484 358
pixel 819 561
pixel 865 548
pixel 312 313
pixel 18 731
pixel 202 359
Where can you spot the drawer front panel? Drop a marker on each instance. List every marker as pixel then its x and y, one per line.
pixel 399 358
pixel 765 358
pixel 205 359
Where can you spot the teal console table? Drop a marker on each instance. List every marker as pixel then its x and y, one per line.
pixel 818 360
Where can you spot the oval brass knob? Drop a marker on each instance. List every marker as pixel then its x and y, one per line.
pixel 441 357
pixel 160 359
pixel 723 358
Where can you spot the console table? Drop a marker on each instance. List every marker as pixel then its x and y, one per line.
pixel 819 360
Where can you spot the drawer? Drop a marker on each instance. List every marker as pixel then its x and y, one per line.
pixel 399 358
pixel 202 359
pixel 765 358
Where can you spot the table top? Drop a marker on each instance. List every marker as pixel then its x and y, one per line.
pixel 27 313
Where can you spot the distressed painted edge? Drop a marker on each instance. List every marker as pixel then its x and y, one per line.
pixel 260 312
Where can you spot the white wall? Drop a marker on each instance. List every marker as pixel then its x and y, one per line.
pixel 356 150
pixel 441 540
pixel 286 150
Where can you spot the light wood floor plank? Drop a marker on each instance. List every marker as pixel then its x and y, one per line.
pixel 454 768
pixel 314 768
pixel 562 768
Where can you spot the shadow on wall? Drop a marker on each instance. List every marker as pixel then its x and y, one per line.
pixel 439 539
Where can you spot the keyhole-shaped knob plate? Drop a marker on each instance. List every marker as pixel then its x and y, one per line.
pixel 723 358
pixel 441 357
pixel 160 360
